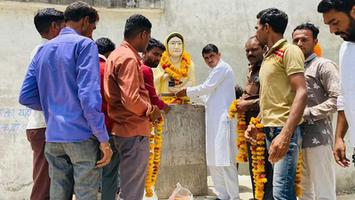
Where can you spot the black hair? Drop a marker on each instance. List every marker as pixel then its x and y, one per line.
pixel 136 24
pixel 276 18
pixel 238 91
pixel 175 35
pixel 79 10
pixel 338 5
pixel 308 26
pixel 104 45
pixel 154 43
pixel 45 17
pixel 209 49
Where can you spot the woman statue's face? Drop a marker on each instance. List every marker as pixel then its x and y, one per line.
pixel 175 47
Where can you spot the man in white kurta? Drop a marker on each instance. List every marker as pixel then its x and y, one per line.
pixel 218 93
pixel 340 17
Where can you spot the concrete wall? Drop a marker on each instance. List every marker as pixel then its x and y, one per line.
pixel 226 23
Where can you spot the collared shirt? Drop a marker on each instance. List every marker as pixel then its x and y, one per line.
pixel 347 86
pixel 36 119
pixel 128 100
pixel 322 79
pixel 149 85
pixel 276 95
pixel 63 80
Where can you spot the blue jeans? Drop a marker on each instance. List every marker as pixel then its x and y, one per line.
pixel 72 169
pixel 110 175
pixel 285 169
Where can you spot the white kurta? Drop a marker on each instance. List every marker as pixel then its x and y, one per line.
pixel 220 136
pixel 347 86
pixel 36 119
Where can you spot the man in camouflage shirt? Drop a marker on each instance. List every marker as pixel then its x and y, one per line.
pixel 322 79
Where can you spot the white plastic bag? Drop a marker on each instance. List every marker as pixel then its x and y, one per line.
pixel 154 197
pixel 181 193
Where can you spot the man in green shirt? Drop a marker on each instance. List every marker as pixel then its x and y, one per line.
pixel 283 97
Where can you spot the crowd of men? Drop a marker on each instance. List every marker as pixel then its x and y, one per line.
pixel 93 104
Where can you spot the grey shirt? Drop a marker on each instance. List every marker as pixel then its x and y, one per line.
pixel 322 79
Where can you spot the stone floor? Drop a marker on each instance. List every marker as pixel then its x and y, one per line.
pixel 246 191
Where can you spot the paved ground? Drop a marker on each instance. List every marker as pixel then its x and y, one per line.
pixel 246 191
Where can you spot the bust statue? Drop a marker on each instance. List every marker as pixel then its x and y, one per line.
pixel 175 71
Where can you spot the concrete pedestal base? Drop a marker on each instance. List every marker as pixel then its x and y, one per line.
pixel 183 157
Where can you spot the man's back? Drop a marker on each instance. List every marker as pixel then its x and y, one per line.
pixel 67 74
pixel 128 100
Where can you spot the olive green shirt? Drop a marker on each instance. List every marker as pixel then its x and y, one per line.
pixel 276 95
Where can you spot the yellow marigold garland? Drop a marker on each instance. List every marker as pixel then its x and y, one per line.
pixel 258 159
pixel 298 187
pixel 174 72
pixel 175 100
pixel 242 156
pixel 233 109
pixel 241 142
pixel 317 50
pixel 155 140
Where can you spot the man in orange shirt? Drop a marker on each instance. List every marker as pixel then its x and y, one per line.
pixel 129 106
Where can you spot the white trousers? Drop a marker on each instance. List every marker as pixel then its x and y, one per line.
pixel 225 180
pixel 318 173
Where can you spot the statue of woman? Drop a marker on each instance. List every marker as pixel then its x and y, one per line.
pixel 175 71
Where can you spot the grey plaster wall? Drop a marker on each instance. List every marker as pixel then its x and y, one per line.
pixel 183 152
pixel 226 23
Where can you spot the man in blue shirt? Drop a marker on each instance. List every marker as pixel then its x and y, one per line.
pixel 63 80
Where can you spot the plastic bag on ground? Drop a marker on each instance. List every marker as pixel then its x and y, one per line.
pixel 181 193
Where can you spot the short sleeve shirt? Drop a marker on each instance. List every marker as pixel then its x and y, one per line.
pixel 276 95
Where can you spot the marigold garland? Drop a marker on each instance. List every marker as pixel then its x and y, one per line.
pixel 155 140
pixel 232 109
pixel 241 142
pixel 173 71
pixel 175 100
pixel 317 50
pixel 258 159
pixel 298 178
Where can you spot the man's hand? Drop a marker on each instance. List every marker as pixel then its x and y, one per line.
pixel 250 134
pixel 279 147
pixel 339 149
pixel 106 153
pixel 243 106
pixel 339 152
pixel 167 109
pixel 181 93
pixel 155 115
